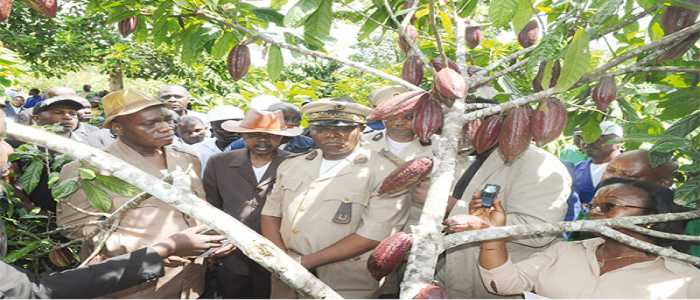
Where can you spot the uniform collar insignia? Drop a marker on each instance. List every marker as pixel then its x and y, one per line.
pixel 312 155
pixel 378 136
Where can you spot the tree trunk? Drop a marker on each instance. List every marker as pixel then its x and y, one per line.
pixel 116 79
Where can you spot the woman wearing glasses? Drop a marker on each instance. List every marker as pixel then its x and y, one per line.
pixel 598 267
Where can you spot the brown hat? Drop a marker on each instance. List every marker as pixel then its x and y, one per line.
pixel 125 102
pixel 271 122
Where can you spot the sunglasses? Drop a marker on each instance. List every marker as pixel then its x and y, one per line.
pixel 606 207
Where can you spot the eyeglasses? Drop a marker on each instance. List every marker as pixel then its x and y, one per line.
pixel 606 207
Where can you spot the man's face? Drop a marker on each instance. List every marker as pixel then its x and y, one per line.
pixel 602 147
pixel 18 101
pixel 336 141
pixel 261 143
pixel 149 128
pixel 221 135
pixel 636 165
pixel 192 132
pixel 64 115
pixel 175 101
pixel 401 124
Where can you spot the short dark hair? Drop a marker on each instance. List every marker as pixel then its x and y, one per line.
pixel 34 91
pixel 87 87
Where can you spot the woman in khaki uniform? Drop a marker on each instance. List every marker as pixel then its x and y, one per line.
pixel 323 208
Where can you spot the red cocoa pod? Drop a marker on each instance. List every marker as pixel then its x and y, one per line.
pixel 554 77
pixel 487 135
pixel 515 136
pixel 59 257
pixel 127 26
pixel 431 291
pixel 412 70
pixel 676 18
pixel 530 34
pixel 406 175
pixel 548 121
pixel 402 103
pixel 450 84
pixel 459 223
pixel 389 254
pixel 427 120
pixel 5 9
pixel 45 7
pixel 605 92
pixel 679 49
pixel 238 61
pixel 438 65
pixel 473 35
pixel 470 129
pixel 440 99
pixel 409 33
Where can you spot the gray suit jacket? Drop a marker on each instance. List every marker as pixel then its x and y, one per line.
pixel 230 185
pixel 113 275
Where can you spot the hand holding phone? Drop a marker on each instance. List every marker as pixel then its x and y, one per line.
pixel 489 194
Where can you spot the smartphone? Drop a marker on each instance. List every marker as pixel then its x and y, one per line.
pixel 211 251
pixel 488 194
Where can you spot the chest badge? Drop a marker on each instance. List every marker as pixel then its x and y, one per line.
pixel 344 213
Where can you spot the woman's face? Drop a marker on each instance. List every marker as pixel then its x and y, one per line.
pixel 620 200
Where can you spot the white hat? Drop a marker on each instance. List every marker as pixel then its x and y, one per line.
pixel 262 102
pixel 607 127
pixel 224 112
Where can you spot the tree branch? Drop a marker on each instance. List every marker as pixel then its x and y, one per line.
pixel 661 234
pixel 251 243
pixel 646 246
pixel 402 34
pixel 433 25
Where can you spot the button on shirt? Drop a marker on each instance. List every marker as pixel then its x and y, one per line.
pixel 550 273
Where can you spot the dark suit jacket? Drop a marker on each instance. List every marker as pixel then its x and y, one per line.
pixel 113 275
pixel 230 185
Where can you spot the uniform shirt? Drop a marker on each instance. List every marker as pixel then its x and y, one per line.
pixel 317 211
pixel 92 135
pixel 550 273
pixel 151 221
pixel 379 141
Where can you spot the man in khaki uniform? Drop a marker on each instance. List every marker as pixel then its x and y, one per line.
pixel 323 209
pixel 144 137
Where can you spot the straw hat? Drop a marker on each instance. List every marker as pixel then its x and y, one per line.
pixel 271 122
pixel 125 102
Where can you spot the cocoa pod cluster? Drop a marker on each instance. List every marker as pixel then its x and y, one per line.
pixel 238 61
pixel 515 135
pixel 127 26
pixel 554 77
pixel 548 121
pixel 530 34
pixel 431 291
pixel 604 93
pixel 412 70
pixel 406 175
pixel 389 254
pixel 45 7
pixel 427 120
pixel 5 9
pixel 673 19
pixel 472 35
pixel 410 34
pixel 397 105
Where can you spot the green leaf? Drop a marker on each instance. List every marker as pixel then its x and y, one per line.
pixel 502 11
pixel 684 126
pixel 670 144
pixel 53 178
pixel 318 26
pixel 656 32
pixel 223 44
pixel 608 9
pixel 193 41
pixel 87 174
pixel 647 4
pixel 31 176
pixel 21 253
pixel 65 188
pixel 275 63
pixel 447 24
pixel 591 130
pixel 97 197
pixel 522 15
pixel 548 49
pixel 466 8
pixel 547 76
pixel 380 16
pixel 689 192
pixel 577 59
pixel 269 15
pixel 300 12
pixel 277 4
pixel 117 185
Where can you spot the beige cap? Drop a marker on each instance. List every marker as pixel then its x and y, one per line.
pixel 125 102
pixel 380 95
pixel 335 113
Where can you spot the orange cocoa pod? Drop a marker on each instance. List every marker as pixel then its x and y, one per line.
pixel 431 291
pixel 45 7
pixel 515 135
pixel 127 26
pixel 406 175
pixel 238 61
pixel 412 70
pixel 397 105
pixel 605 92
pixel 410 34
pixel 450 84
pixel 389 254
pixel 554 77
pixel 5 9
pixel 487 135
pixel 472 35
pixel 427 120
pixel 548 121
pixel 529 35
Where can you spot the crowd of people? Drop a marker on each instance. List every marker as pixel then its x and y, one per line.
pixel 312 192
